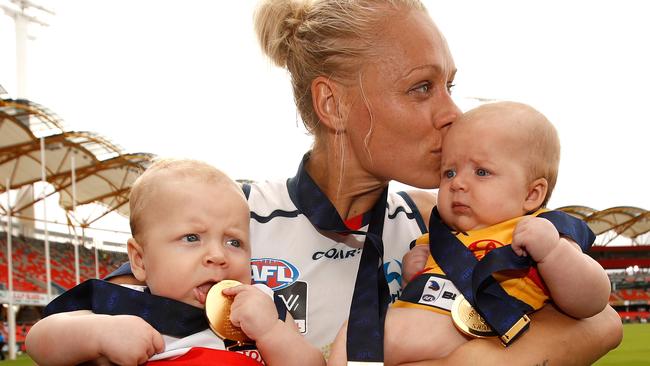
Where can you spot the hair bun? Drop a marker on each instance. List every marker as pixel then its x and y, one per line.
pixel 276 22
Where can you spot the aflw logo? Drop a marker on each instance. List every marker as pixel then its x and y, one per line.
pixel 275 273
pixel 291 301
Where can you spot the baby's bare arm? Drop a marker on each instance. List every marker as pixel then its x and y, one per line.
pixel 577 283
pixel 78 336
pixel 279 342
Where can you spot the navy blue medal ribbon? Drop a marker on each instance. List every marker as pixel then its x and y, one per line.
pixel 371 297
pixel 167 316
pixel 474 279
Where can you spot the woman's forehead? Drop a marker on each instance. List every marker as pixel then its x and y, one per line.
pixel 411 41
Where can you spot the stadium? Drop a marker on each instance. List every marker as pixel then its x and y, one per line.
pixel 84 169
pixel 64 209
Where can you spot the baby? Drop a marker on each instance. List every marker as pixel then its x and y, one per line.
pixel 190 230
pixel 499 167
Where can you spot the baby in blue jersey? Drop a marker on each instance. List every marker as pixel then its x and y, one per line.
pixel 190 230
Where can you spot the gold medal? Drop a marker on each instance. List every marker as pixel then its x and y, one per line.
pixel 217 309
pixel 468 320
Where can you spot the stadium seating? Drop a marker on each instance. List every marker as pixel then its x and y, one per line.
pixel 631 295
pixel 29 264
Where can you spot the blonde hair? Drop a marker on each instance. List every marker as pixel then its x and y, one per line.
pixel 543 153
pixel 538 136
pixel 330 38
pixel 144 188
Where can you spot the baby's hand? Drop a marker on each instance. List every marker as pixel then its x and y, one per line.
pixel 536 237
pixel 252 310
pixel 413 262
pixel 128 339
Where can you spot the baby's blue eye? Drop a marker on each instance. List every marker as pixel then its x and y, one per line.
pixel 449 173
pixel 482 172
pixel 234 242
pixel 191 238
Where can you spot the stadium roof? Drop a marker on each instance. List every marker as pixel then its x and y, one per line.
pixel 630 222
pixel 103 173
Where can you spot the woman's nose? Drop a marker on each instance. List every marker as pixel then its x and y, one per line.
pixel 446 114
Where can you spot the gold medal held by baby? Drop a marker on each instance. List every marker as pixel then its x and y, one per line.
pixel 217 309
pixel 468 320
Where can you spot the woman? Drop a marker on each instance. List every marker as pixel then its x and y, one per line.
pixel 372 82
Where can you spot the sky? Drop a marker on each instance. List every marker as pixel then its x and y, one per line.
pixel 187 79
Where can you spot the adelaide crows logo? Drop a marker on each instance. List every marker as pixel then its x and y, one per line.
pixel 481 248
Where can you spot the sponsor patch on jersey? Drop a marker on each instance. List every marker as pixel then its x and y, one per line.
pixel 275 273
pixel 336 253
pixel 438 292
pixel 295 299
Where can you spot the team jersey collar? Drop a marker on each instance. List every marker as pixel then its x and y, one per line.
pixel 312 202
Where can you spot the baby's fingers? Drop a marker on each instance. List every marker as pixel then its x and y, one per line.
pixel 519 247
pixel 233 291
pixel 158 343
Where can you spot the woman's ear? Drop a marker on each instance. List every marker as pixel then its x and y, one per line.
pixel 536 194
pixel 325 98
pixel 135 252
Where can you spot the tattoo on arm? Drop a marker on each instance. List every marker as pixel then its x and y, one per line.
pixel 543 363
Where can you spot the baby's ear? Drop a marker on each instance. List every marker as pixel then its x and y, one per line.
pixel 134 249
pixel 536 194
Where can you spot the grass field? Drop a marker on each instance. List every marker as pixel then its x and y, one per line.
pixel 22 360
pixel 634 351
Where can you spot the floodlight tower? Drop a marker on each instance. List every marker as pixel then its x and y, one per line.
pixel 21 12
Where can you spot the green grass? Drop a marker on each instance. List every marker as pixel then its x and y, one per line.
pixel 633 351
pixel 22 360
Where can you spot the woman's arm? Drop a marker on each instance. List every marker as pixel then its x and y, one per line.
pixel 553 339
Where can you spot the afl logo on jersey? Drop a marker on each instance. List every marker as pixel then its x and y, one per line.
pixel 275 273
